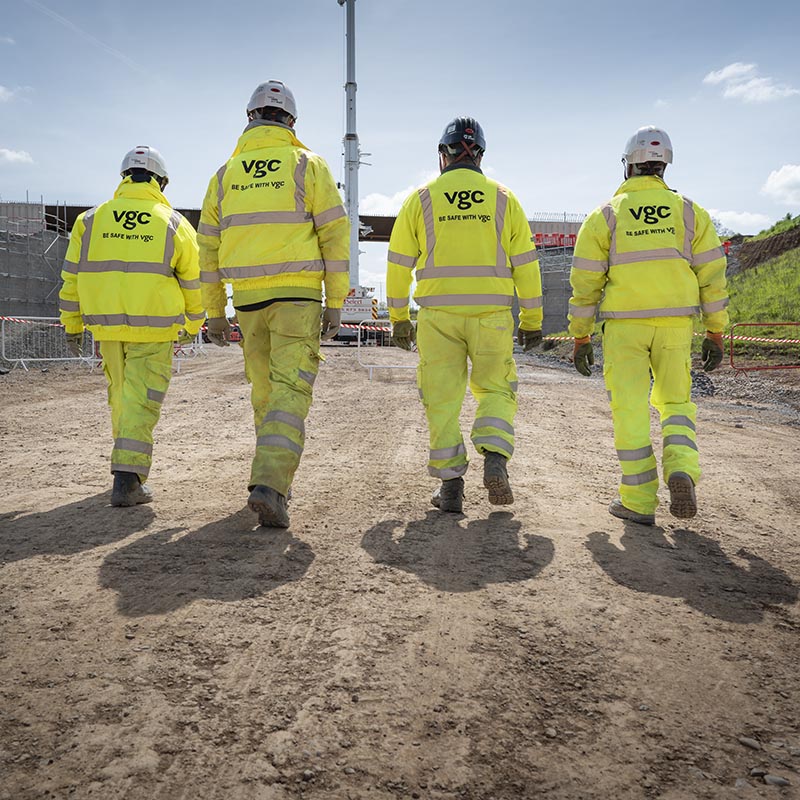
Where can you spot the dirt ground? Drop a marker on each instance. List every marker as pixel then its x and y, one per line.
pixel 380 649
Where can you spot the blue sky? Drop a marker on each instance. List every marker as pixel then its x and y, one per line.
pixel 557 87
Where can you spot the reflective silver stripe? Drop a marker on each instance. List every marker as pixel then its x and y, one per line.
pixel 208 230
pixel 234 273
pixel 463 272
pixel 635 455
pixel 533 302
pixel 70 267
pixel 337 266
pixel 679 419
pixel 688 224
pixel 419 391
pixel 590 264
pixel 189 285
pixel 152 394
pixel 300 184
pixel 493 422
pixel 514 385
pixel 133 321
pixel 686 311
pixel 465 300
pixel 134 445
pixel 611 221
pixel 209 276
pixel 169 245
pixel 524 258
pixel 640 478
pixel 287 419
pixel 495 441
pixel 308 377
pixel 442 453
pixel 69 305
pixel 427 216
pixel 657 254
pixel 717 305
pixel 403 261
pixel 282 442
pixel 220 189
pixel 582 311
pixel 265 218
pixel 196 316
pixel 328 216
pixel 708 256
pixel 499 222
pixel 608 394
pixel 88 221
pixel 448 473
pixel 149 267
pixel 679 440
pixel 396 302
pixel 139 469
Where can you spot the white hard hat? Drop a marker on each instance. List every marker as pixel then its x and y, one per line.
pixel 144 157
pixel 648 144
pixel 273 93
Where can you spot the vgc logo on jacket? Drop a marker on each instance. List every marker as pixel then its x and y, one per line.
pixel 652 214
pixel 465 198
pixel 132 218
pixel 261 167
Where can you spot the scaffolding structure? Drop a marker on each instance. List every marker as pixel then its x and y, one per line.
pixel 33 243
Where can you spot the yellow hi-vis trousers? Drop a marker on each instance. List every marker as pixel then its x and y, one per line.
pixel 138 376
pixel 281 351
pixel 631 350
pixel 445 341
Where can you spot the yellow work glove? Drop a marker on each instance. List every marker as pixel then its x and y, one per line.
pixel 583 355
pixel 712 351
pixel 75 343
pixel 331 320
pixel 527 340
pixel 219 331
pixel 403 334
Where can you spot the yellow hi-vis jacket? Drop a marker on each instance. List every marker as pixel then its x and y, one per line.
pixel 273 223
pixel 469 241
pixel 131 272
pixel 649 253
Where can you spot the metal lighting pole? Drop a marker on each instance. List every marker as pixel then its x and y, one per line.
pixel 351 149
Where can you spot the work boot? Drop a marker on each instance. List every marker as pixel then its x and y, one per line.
pixel 128 490
pixel 616 509
pixel 450 496
pixel 270 506
pixel 682 499
pixel 495 479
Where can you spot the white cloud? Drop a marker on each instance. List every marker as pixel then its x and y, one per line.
pixel 15 156
pixel 783 185
pixel 6 40
pixel 377 204
pixel 6 94
pixel 741 221
pixel 660 104
pixel 741 82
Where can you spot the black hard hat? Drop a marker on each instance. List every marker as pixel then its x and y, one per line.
pixel 463 130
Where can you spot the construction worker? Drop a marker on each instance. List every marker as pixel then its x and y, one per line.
pixel 131 276
pixel 469 241
pixel 273 226
pixel 650 260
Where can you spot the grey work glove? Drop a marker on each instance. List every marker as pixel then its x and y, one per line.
pixel 331 321
pixel 403 334
pixel 75 343
pixel 184 337
pixel 219 331
pixel 711 351
pixel 527 340
pixel 583 355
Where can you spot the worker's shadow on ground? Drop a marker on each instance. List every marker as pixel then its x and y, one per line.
pixel 66 530
pixel 454 554
pixel 694 568
pixel 226 560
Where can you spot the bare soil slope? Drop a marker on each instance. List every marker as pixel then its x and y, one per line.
pixel 379 649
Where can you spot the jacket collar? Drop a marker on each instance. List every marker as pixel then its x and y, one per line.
pixel 263 133
pixel 140 191
pixel 639 183
pixel 462 165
